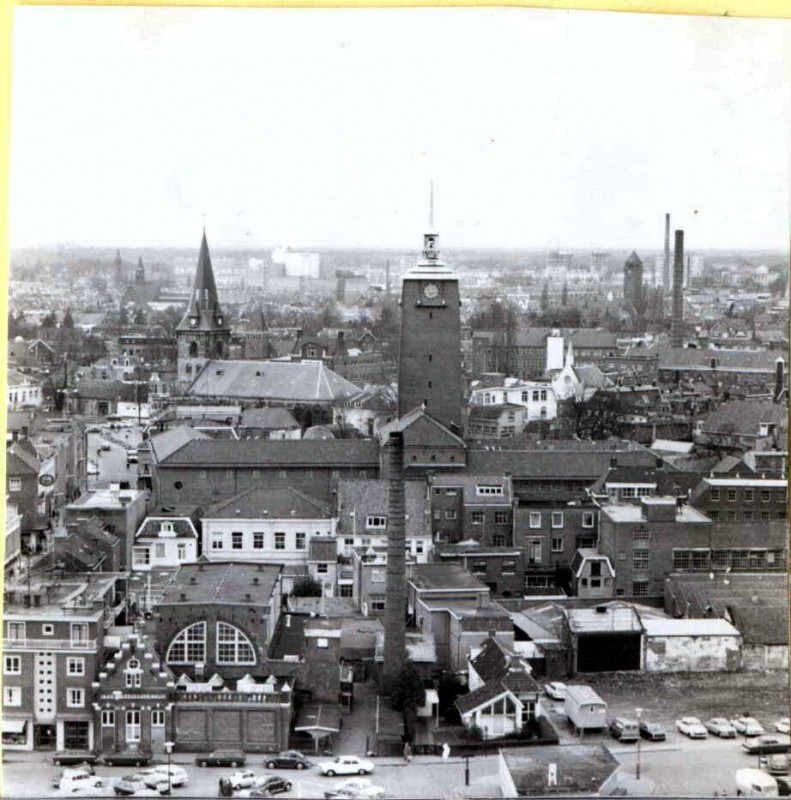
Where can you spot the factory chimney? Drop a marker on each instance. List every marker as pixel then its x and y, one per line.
pixel 666 267
pixel 677 319
pixel 395 606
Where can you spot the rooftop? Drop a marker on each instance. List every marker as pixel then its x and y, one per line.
pixel 223 582
pixel 106 499
pixel 269 503
pixel 634 513
pixel 445 578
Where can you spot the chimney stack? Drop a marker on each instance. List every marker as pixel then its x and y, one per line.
pixel 666 264
pixel 677 319
pixel 779 379
pixel 395 606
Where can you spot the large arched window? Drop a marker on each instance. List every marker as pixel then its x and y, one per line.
pixel 189 646
pixel 233 647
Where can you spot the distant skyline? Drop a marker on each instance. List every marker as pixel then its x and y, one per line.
pixel 134 127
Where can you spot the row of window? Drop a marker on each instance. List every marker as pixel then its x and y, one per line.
pixel 705 560
pixel 190 645
pixel 12 696
pixel 142 555
pixel 557 519
pixel 746 515
pixel 133 719
pixel 17 632
pixel 506 568
pixel 75 665
pixel 257 540
pixel 748 495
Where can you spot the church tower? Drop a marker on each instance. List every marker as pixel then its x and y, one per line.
pixel 429 370
pixel 140 272
pixel 202 335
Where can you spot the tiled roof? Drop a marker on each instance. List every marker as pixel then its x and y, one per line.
pixel 182 527
pixel 287 381
pixel 369 498
pixel 492 662
pixel 761 361
pixel 165 444
pixel 746 416
pixel 104 390
pixel 263 453
pixel 481 696
pixel 276 418
pixel 323 548
pixel 427 577
pixel 269 503
pixel 403 423
pixel 20 461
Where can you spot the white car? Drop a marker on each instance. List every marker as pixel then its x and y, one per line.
pixel 357 789
pixel 748 726
pixel 159 774
pixel 243 779
pixel 783 725
pixel 720 726
pixel 346 765
pixel 556 690
pixel 692 727
pixel 79 783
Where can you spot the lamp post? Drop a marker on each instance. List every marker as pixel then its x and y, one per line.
pixel 639 713
pixel 169 750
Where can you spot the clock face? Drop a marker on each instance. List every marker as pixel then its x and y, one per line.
pixel 431 291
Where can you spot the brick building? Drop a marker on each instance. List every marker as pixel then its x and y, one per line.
pixel 219 617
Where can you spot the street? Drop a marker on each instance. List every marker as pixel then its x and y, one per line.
pixel 678 767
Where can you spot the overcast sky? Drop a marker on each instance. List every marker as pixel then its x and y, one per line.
pixel 135 127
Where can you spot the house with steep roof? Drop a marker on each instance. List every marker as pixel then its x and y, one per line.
pixel 504 698
pixel 740 425
pixel 164 541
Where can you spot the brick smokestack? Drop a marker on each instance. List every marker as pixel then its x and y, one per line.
pixel 780 366
pixel 666 265
pixel 677 320
pixel 395 607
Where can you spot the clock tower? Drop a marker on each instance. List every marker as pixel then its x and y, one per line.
pixel 203 333
pixel 429 370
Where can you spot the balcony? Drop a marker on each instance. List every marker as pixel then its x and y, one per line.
pixel 77 645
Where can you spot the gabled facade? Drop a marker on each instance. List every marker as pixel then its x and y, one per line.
pixel 164 542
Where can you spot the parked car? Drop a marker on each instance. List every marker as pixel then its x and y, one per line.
pixel 132 757
pixel 755 783
pixel 652 731
pixel 769 743
pixel 748 726
pixel 67 758
pixel 86 769
pixel 719 726
pixel 222 758
pixel 267 785
pixel 692 727
pixel 556 690
pixel 79 783
pixel 783 725
pixel 129 784
pixel 623 729
pixel 777 764
pixel 346 765
pixel 242 779
pixel 159 774
pixel 289 759
pixel 356 789
pixel 783 786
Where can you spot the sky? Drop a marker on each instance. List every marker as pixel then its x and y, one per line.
pixel 138 126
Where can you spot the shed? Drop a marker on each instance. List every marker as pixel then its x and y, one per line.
pixel 691 645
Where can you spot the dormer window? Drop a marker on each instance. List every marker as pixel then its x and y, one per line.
pixel 219 320
pixel 193 321
pixel 133 674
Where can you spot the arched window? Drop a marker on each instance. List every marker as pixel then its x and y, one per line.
pixel 133 674
pixel 189 646
pixel 233 647
pixel 193 349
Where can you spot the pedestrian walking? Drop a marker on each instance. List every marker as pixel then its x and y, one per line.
pixel 445 751
pixel 407 752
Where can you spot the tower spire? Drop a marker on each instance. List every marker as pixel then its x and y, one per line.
pixel 203 311
pixel 431 207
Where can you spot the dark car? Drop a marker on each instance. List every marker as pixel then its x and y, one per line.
pixel 652 731
pixel 783 786
pixel 272 784
pixel 769 743
pixel 221 758
pixel 72 758
pixel 290 759
pixel 132 757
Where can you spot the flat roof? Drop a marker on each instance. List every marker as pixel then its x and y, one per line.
pixel 633 513
pixel 223 582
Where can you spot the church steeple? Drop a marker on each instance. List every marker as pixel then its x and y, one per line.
pixel 203 334
pixel 140 272
pixel 203 310
pixel 431 236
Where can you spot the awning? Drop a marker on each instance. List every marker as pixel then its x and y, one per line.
pixel 14 725
pixel 319 717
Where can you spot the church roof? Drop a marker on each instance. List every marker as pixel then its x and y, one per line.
pixel 204 305
pixel 292 381
pixel 633 260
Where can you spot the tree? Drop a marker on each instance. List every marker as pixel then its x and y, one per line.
pixel 68 320
pixel 405 687
pixel 50 321
pixel 545 297
pixel 307 587
pixel 564 298
pixel 600 417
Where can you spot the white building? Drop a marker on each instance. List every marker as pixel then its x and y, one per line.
pixel 266 525
pixel 164 542
pixel 23 391
pixel 537 397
